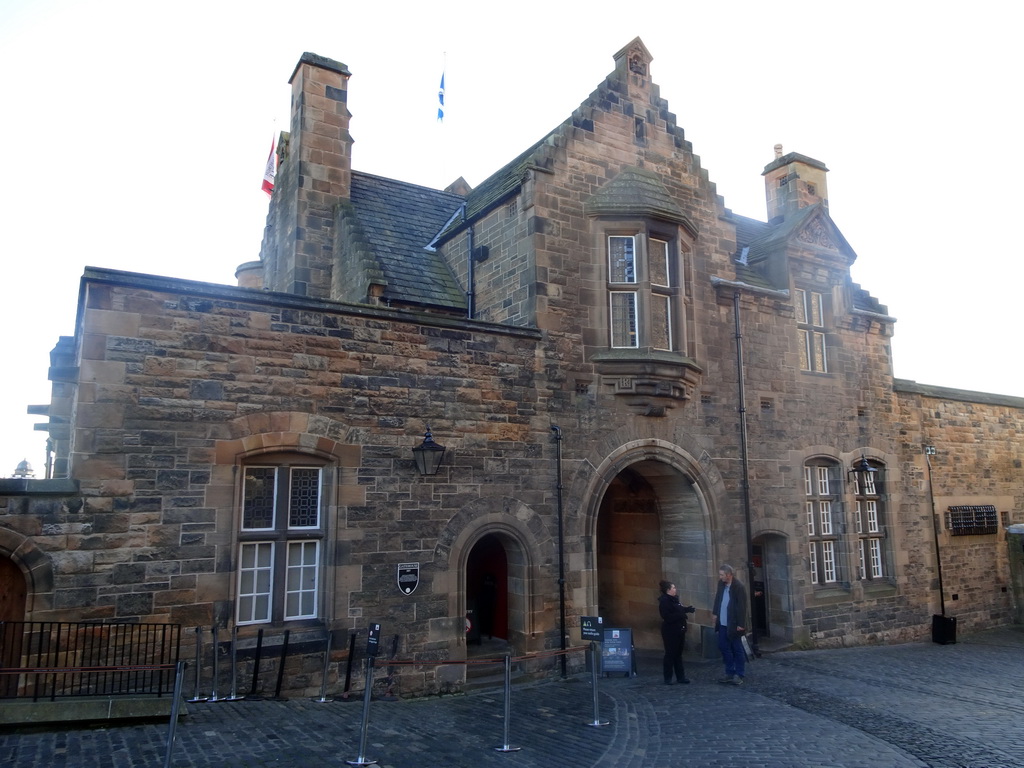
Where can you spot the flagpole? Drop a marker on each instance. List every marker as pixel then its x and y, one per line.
pixel 442 140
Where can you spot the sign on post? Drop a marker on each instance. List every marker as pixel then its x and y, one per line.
pixel 590 628
pixel 373 641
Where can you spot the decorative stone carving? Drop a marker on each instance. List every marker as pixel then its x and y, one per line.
pixel 815 233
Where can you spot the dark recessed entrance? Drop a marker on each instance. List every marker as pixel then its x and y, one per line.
pixel 487 591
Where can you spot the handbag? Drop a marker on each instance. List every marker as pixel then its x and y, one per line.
pixel 746 648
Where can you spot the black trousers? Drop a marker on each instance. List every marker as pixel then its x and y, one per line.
pixel 673 640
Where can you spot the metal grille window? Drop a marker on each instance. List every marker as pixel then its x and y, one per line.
pixel 821 503
pixel 972 520
pixel 279 555
pixel 810 318
pixel 869 525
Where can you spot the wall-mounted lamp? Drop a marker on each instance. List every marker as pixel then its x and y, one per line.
pixel 428 455
pixel 863 474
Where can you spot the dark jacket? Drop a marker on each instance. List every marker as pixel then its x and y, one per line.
pixel 673 613
pixel 737 608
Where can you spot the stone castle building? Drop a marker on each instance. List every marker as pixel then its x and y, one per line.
pixel 630 381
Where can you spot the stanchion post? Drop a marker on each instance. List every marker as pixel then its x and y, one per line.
pixel 327 664
pixel 597 721
pixel 372 644
pixel 199 665
pixel 216 667
pixel 175 707
pixel 234 666
pixel 508 705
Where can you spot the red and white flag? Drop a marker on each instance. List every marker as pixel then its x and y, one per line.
pixel 268 175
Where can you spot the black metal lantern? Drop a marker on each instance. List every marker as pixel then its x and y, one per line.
pixel 428 455
pixel 863 474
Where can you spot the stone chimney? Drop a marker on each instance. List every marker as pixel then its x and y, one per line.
pixel 792 182
pixel 314 174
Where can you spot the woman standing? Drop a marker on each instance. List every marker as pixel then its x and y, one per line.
pixel 673 631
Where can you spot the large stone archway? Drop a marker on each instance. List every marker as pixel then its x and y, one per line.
pixel 648 518
pixel 650 526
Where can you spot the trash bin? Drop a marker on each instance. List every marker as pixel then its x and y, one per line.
pixel 943 629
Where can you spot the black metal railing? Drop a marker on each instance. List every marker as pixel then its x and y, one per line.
pixel 49 659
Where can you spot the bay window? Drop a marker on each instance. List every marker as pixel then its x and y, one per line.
pixel 643 294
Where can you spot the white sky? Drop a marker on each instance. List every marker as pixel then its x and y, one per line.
pixel 136 134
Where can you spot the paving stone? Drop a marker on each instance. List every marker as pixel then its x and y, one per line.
pixel 918 705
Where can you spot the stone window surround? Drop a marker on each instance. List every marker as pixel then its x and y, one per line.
pixel 282 534
pixel 812 330
pixel 643 231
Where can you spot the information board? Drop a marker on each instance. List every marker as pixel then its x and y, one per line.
pixel 617 651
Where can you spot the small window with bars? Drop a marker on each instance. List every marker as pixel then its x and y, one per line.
pixel 972 520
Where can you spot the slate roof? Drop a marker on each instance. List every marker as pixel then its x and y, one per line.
pixel 506 180
pixel 755 240
pixel 396 221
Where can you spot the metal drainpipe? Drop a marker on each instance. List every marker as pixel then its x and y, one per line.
pixel 935 532
pixel 561 542
pixel 746 468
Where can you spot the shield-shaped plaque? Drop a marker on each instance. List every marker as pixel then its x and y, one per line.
pixel 408 577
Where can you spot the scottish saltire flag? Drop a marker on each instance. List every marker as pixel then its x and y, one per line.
pixel 270 172
pixel 440 100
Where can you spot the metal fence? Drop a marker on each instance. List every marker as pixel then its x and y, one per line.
pixel 49 659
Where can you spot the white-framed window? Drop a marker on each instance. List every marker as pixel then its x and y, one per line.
pixel 281 528
pixel 810 318
pixel 821 505
pixel 643 291
pixel 868 523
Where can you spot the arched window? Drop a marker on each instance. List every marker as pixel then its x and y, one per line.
pixel 281 532
pixel 869 523
pixel 824 521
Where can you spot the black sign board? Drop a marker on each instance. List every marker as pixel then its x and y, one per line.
pixel 373 640
pixel 408 577
pixel 590 628
pixel 617 651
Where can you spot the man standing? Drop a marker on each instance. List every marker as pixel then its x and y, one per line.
pixel 730 610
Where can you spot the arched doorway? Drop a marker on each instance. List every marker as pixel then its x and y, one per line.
pixel 771 599
pixel 651 525
pixel 487 584
pixel 13 591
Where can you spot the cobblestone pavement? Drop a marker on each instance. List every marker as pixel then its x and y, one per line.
pixel 919 704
